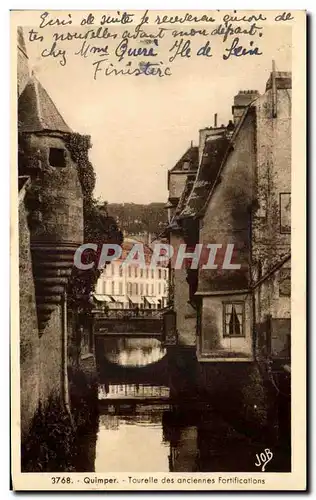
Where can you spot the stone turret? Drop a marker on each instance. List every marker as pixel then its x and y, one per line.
pixel 54 199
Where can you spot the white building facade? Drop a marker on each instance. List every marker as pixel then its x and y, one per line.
pixel 126 286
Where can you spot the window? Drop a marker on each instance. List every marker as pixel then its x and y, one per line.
pixel 147 273
pixel 285 283
pixel 166 275
pixel 135 288
pixel 104 287
pixel 57 157
pixel 113 287
pixel 129 288
pixel 159 274
pixel 152 274
pixel 129 271
pixel 147 289
pixel 233 319
pixel 159 289
pixel 121 271
pixel 152 289
pixel 136 273
pixel 141 289
pixel 141 273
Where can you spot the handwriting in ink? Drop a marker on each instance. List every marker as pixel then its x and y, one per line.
pixel 54 52
pixel 34 36
pixel 124 18
pixel 263 459
pixel 144 20
pixel 143 34
pixel 205 50
pixel 123 50
pixel 286 16
pixel 187 18
pixel 181 48
pixel 86 49
pixel 88 20
pixel 91 34
pixel 229 30
pixel 53 22
pixel 248 19
pixel 144 68
pixel 191 32
pixel 238 50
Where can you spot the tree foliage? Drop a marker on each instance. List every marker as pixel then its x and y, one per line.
pixel 99 227
pixel 137 218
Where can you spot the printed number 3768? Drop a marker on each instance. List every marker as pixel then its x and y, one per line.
pixel 263 459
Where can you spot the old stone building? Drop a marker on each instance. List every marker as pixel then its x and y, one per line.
pixel 238 326
pixel 180 181
pixel 50 230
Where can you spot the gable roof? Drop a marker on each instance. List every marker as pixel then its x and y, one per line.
pixel 37 111
pixel 213 154
pixel 185 194
pixel 191 156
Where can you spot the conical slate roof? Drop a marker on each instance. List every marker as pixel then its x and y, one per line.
pixel 21 42
pixel 37 112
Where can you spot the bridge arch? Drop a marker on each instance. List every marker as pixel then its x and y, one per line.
pixel 132 360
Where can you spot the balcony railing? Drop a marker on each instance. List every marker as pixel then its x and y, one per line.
pixel 130 313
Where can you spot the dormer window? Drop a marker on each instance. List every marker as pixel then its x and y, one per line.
pixel 57 157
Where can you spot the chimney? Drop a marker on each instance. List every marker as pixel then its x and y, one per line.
pixel 281 80
pixel 241 101
pixel 215 120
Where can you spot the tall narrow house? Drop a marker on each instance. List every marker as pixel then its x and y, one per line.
pixel 238 328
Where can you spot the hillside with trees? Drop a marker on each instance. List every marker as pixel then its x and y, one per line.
pixel 134 218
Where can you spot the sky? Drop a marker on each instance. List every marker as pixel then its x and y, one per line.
pixel 141 126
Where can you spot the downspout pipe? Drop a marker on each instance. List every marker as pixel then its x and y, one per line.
pixel 65 382
pixel 253 298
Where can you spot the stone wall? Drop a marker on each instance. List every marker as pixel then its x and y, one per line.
pixel 51 358
pixel 273 138
pixel 227 216
pixel 29 339
pixel 186 314
pixel 213 342
pixel 58 192
pixel 40 356
pixel 177 180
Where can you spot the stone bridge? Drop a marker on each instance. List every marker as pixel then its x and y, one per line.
pixel 129 323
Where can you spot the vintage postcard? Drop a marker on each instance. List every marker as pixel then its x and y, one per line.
pixel 158 250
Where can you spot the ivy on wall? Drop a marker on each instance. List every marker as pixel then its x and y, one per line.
pixel 99 228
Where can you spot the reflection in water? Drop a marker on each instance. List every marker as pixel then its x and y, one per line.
pixel 133 352
pixel 140 431
pixel 137 391
pixel 132 443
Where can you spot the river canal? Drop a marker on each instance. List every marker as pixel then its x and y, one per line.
pixel 140 431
